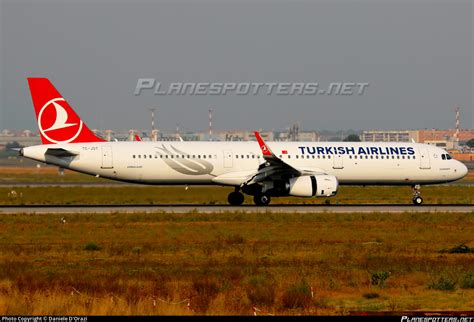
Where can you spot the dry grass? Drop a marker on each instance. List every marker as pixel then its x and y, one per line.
pixel 218 195
pixel 225 263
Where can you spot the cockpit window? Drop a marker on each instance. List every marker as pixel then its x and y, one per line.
pixel 443 156
pixel 448 157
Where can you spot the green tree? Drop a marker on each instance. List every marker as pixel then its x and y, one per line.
pixel 470 143
pixel 352 138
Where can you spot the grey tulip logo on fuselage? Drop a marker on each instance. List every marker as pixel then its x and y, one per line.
pixel 185 165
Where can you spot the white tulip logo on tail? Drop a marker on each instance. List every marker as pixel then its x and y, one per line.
pixel 60 131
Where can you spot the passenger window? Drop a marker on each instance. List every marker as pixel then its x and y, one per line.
pixel 313 156
pixel 150 156
pixel 329 157
pixel 204 156
pixel 144 156
pixel 403 157
pixel 134 156
pixel 210 156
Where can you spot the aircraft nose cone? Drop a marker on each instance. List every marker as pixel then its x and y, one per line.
pixel 462 170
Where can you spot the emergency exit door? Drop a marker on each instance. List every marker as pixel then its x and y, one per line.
pixel 228 159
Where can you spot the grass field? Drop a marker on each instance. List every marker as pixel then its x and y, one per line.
pixel 120 194
pixel 226 263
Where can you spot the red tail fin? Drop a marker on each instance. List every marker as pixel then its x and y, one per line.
pixel 57 121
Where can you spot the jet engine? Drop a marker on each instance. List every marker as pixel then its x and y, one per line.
pixel 308 186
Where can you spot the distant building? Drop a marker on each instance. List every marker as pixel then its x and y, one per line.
pixel 389 136
pixel 23 137
pixel 439 135
pixel 445 144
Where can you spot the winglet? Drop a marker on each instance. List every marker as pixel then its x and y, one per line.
pixel 265 149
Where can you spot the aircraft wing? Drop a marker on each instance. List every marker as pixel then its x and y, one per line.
pixel 275 168
pixel 272 169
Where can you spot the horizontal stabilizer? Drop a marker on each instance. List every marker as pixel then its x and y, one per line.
pixel 60 152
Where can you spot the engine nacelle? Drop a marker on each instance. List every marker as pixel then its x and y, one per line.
pixel 308 186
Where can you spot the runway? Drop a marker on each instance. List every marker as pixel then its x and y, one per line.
pixel 105 209
pixel 124 184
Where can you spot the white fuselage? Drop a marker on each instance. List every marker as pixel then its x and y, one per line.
pixel 227 163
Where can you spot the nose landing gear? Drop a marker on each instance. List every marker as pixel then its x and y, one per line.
pixel 417 199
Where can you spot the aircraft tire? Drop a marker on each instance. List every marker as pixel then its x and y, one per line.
pixel 235 198
pixel 417 200
pixel 262 200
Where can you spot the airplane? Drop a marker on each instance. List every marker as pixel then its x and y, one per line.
pixel 260 169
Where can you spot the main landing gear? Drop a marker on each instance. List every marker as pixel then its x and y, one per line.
pixel 417 200
pixel 261 199
pixel 235 198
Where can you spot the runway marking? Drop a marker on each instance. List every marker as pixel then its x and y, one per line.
pixel 362 208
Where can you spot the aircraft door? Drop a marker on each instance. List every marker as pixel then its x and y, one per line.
pixel 338 162
pixel 424 159
pixel 228 159
pixel 107 160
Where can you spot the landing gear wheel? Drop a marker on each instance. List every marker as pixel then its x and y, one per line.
pixel 417 200
pixel 235 198
pixel 262 200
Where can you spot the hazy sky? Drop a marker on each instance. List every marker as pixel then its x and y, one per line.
pixel 416 55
